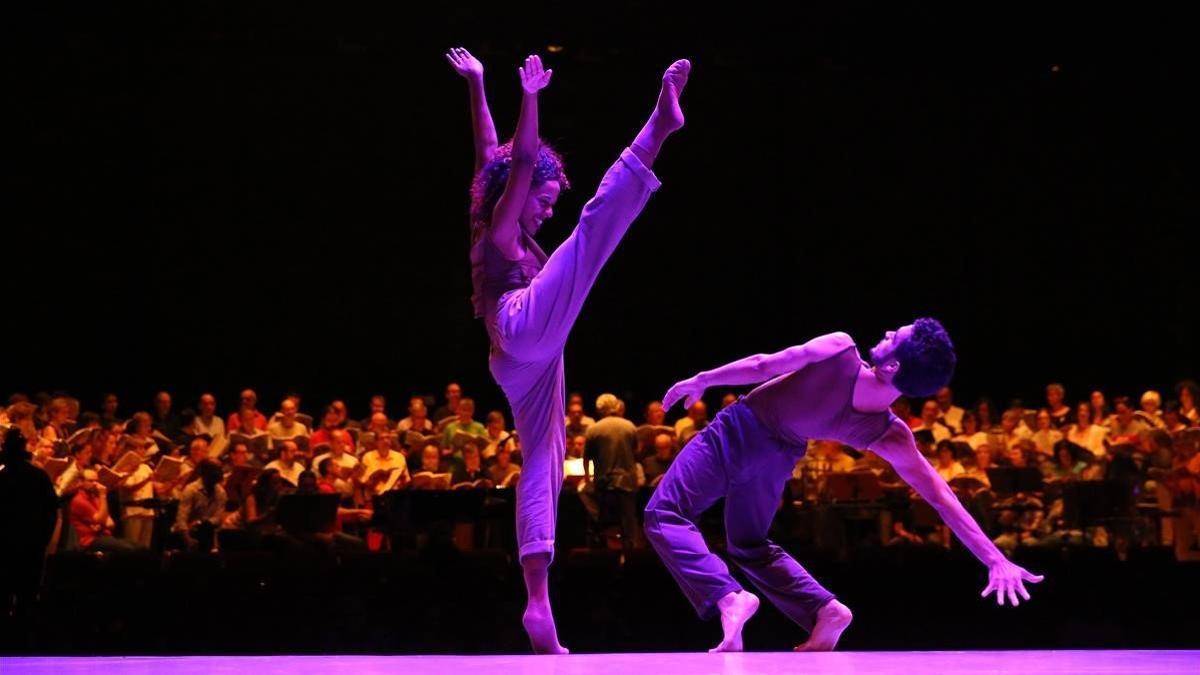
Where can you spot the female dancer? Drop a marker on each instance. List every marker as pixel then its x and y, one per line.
pixel 528 301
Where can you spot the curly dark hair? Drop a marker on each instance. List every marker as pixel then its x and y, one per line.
pixel 489 183
pixel 926 359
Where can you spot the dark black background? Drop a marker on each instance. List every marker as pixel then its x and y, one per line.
pixel 214 195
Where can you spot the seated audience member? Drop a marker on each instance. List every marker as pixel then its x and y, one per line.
pixel 89 516
pixel 657 464
pixel 446 413
pixel 1173 421
pixel 418 418
pixel 471 469
pixel 947 466
pixel 249 402
pixel 585 421
pixel 1061 414
pixel 207 422
pixel 1125 427
pixel 971 433
pixel 949 414
pixel 260 507
pixel 378 407
pixel 202 508
pixel 286 465
pixel 1046 436
pixel 286 427
pixel 463 423
pixel 379 465
pixel 496 436
pixel 330 422
pixel 1070 460
pixel 1092 437
pixel 343 459
pixel 503 473
pixel 694 423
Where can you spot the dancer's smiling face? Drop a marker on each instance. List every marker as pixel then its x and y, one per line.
pixel 539 205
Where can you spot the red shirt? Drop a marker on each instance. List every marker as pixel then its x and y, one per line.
pixel 235 421
pixel 327 489
pixel 83 517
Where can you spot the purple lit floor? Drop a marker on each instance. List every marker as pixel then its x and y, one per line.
pixel 860 663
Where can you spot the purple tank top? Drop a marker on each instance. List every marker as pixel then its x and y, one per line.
pixel 817 402
pixel 493 275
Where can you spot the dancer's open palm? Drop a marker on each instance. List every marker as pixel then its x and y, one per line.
pixel 533 77
pixel 464 63
pixel 1006 578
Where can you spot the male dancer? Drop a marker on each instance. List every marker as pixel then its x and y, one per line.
pixel 818 390
pixel 528 301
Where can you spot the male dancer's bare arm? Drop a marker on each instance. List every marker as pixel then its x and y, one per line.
pixel 757 368
pixel 471 69
pixel 506 228
pixel 899 448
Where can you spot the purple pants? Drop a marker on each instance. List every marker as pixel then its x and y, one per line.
pixel 530 329
pixel 737 458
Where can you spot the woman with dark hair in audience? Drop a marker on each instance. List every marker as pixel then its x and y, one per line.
pixel 971 433
pixel 984 412
pixel 1100 409
pixel 1187 391
pixel 1173 421
pixel 1084 433
pixel 1046 436
pixel 262 501
pixel 1069 462
pixel 57 415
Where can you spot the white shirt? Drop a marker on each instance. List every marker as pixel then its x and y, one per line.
pixel 573 466
pixel 956 469
pixel 277 432
pixel 953 417
pixel 406 424
pixel 1091 438
pixel 493 445
pixel 291 475
pixel 144 492
pixel 940 431
pixel 372 462
pixel 1045 440
pixel 215 429
pixel 975 440
pixel 346 461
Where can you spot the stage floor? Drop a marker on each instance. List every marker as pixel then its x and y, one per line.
pixel 860 663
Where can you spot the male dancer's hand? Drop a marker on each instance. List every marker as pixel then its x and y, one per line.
pixel 533 78
pixel 1006 577
pixel 464 63
pixel 690 390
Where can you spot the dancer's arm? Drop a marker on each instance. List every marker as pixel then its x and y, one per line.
pixel 505 229
pixel 757 368
pixel 471 70
pixel 898 447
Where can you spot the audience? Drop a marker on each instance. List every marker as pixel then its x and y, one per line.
pixel 1150 446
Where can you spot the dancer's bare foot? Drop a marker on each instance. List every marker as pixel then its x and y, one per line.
pixel 667 117
pixel 668 113
pixel 832 619
pixel 736 609
pixel 539 619
pixel 539 624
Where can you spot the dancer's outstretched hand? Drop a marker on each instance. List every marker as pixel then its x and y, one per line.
pixel 464 63
pixel 690 390
pixel 1004 577
pixel 533 78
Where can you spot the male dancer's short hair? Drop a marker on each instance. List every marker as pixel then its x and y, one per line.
pixel 926 359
